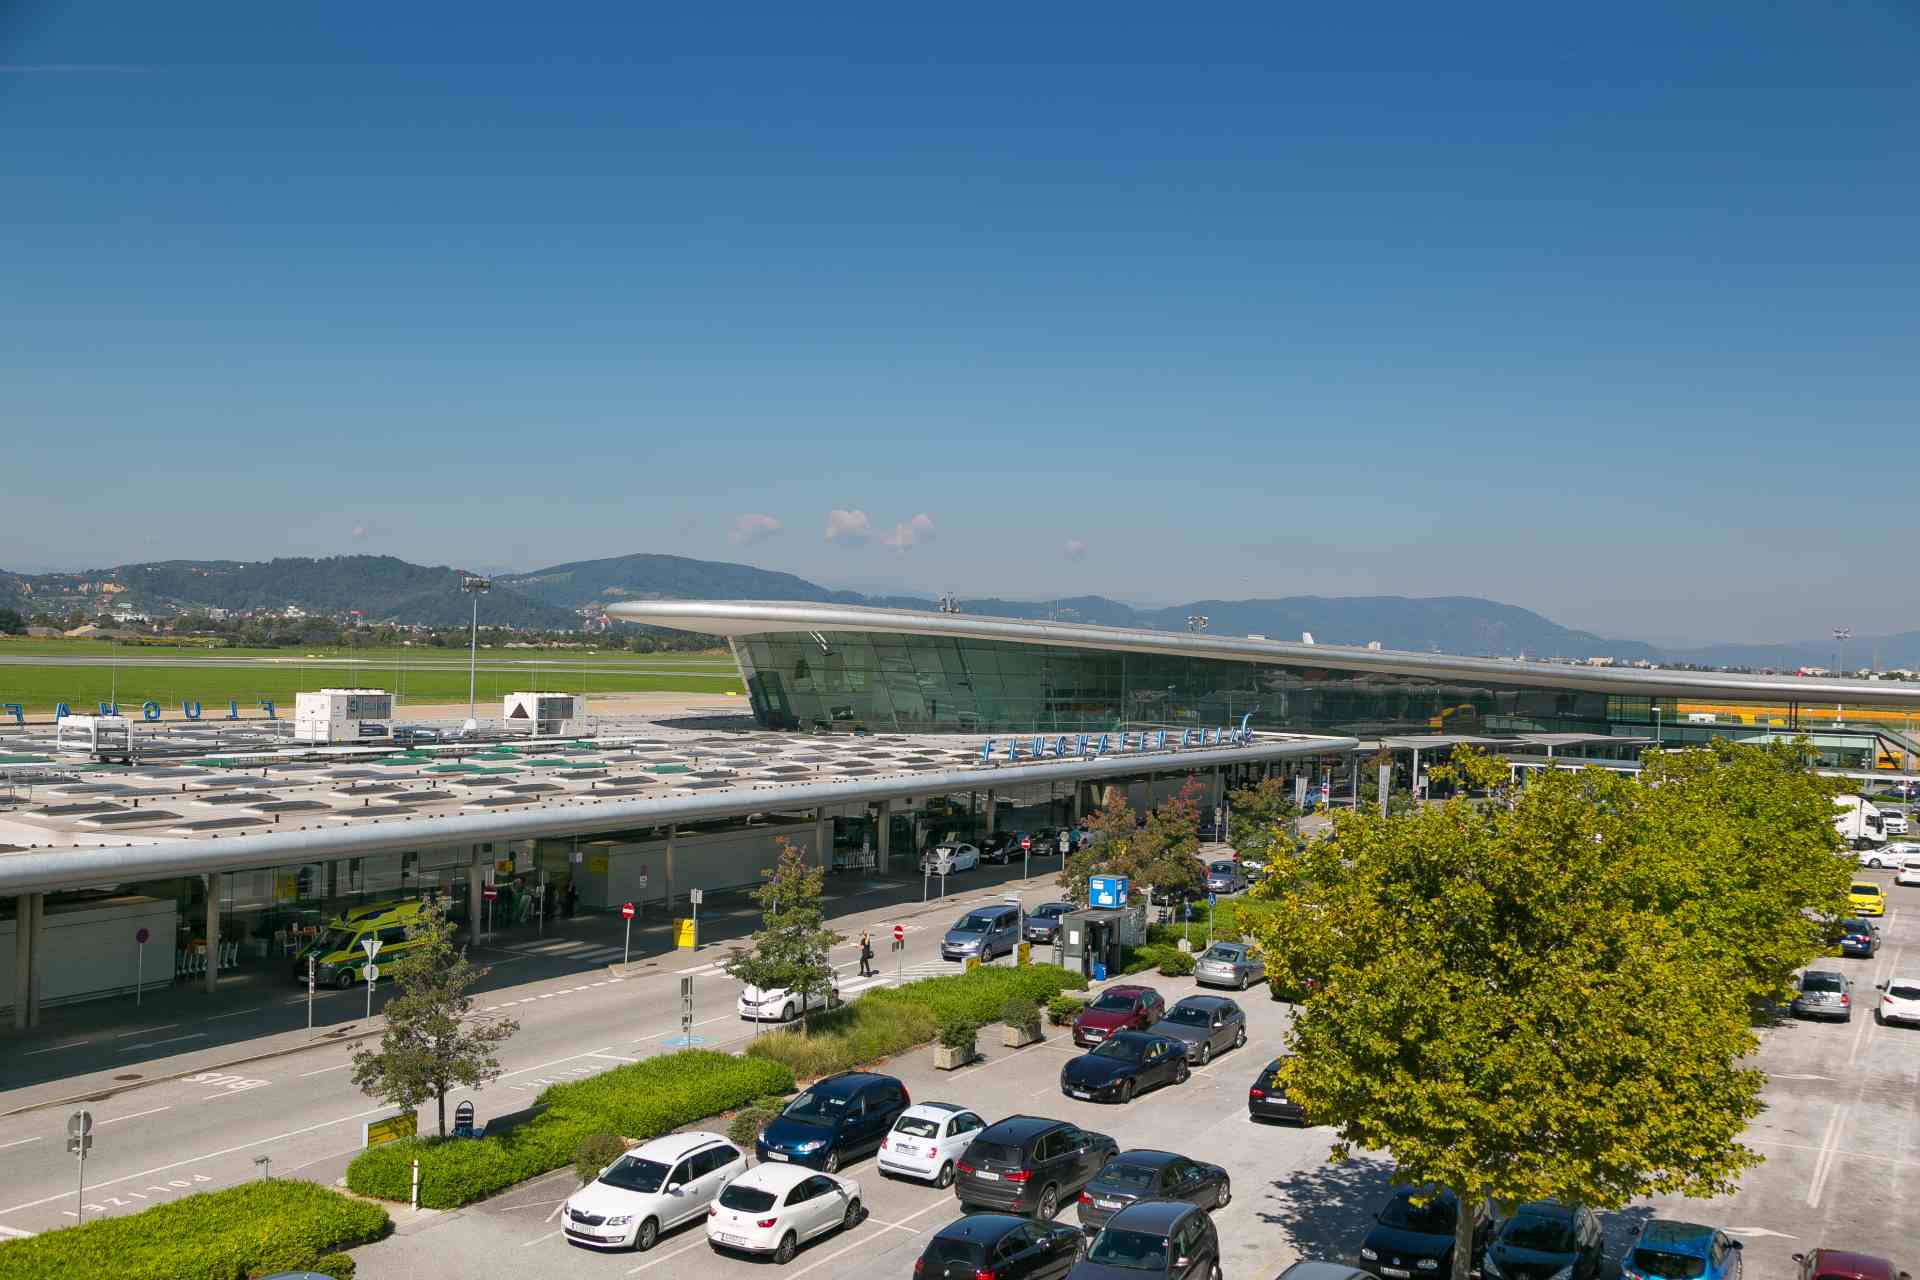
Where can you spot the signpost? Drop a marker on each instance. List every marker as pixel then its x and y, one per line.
pixel 899 952
pixel 694 898
pixel 626 951
pixel 686 1039
pixel 1210 897
pixel 140 936
pixel 1026 861
pixel 489 893
pixel 312 960
pixel 372 971
pixel 79 1142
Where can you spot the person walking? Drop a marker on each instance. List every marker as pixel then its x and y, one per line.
pixel 866 954
pixel 570 899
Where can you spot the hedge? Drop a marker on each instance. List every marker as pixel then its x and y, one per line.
pixel 892 1020
pixel 257 1228
pixel 641 1100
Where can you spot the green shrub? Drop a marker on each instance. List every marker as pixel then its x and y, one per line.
pixel 746 1125
pixel 1018 1011
pixel 338 1265
pixel 1064 1009
pixel 1175 964
pixel 640 1100
pixel 958 1033
pixel 595 1152
pixel 774 1102
pixel 275 1224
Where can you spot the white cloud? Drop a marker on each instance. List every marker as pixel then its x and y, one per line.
pixel 848 528
pixel 752 526
pixel 910 533
pixel 1075 549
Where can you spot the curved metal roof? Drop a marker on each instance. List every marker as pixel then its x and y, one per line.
pixel 751 617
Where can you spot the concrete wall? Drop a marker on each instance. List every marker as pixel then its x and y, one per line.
pixel 87 951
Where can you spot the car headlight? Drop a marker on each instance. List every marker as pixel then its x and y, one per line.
pixel 1428 1264
pixel 620 1221
pixel 1369 1254
pixel 809 1147
pixel 1491 1267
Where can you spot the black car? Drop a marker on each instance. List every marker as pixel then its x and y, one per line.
pixel 1163 1238
pixel 1266 1100
pixel 1545 1238
pixel 1123 1065
pixel 999 1245
pixel 1859 938
pixel 838 1119
pixel 1209 1024
pixel 1413 1234
pixel 1043 922
pixel 1133 1176
pixel 1030 1164
pixel 1000 847
pixel 1315 1269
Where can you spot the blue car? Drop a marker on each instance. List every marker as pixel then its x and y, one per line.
pixel 1669 1250
pixel 836 1120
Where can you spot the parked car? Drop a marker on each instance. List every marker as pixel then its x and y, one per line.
pixel 999 1245
pixel 1894 822
pixel 999 848
pixel 1899 1001
pixel 1888 855
pixel 1314 1269
pixel 778 1004
pixel 1119 1008
pixel 1043 922
pixel 1909 873
pixel 927 1140
pixel 835 1120
pixel 1413 1233
pixel 1125 1063
pixel 653 1188
pixel 1133 1176
pixel 1210 1024
pixel 985 932
pixel 1669 1250
pixel 1867 898
pixel 958 857
pixel 1266 1100
pixel 1823 994
pixel 1844 1264
pixel 1225 876
pixel 1859 938
pixel 774 1209
pixel 1229 964
pixel 1545 1238
pixel 1030 1164
pixel 1153 1238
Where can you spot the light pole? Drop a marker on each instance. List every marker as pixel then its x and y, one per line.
pixel 1656 724
pixel 475 587
pixel 1197 622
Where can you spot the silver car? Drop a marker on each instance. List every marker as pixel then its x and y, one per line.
pixel 1229 964
pixel 1824 994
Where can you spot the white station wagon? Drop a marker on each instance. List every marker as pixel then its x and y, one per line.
pixel 652 1188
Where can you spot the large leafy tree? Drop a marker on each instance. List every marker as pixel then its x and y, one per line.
pixel 790 949
pixel 1113 831
pixel 1515 998
pixel 432 1045
pixel 1166 857
pixel 1259 817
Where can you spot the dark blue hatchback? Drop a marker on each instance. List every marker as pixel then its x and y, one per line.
pixel 837 1120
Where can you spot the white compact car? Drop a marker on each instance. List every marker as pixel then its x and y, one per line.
pixel 1900 1001
pixel 777 1004
pixel 1898 854
pixel 1909 873
pixel 1895 823
pixel 960 857
pixel 926 1141
pixel 656 1186
pixel 776 1208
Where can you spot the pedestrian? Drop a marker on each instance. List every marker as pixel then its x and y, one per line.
pixel 866 954
pixel 570 899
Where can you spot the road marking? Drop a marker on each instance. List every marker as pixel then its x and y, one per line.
pixel 940 1203
pixel 616 1057
pixel 55 1048
pixel 539 1239
pixel 323 1070
pixel 18 1142
pixel 671 1256
pixel 236 1013
pixel 1887 970
pixel 15 1233
pixel 1828 1144
pixel 146 1030
pixel 136 1115
pixel 154 1044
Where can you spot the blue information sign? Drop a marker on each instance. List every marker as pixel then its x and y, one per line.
pixel 1107 891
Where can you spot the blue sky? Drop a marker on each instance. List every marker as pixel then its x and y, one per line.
pixel 1604 312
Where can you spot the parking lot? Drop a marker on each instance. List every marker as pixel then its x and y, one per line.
pixel 1839 1135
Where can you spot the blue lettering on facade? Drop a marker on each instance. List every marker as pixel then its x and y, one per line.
pixel 13 708
pixel 267 707
pixel 149 710
pixel 191 710
pixel 61 711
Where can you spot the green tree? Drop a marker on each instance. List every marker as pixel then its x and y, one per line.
pixel 12 623
pixel 1516 1001
pixel 1112 832
pixel 431 1046
pixel 790 949
pixel 1166 856
pixel 1260 817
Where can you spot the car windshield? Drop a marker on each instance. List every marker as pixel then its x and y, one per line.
pixel 1221 868
pixel 746 1199
pixel 817 1107
pixel 334 940
pixel 1229 954
pixel 1434 1218
pixel 918 1127
pixel 1853 926
pixel 631 1173
pixel 1124 1176
pixel 1112 1002
pixel 1532 1231
pixel 1823 981
pixel 977 922
pixel 1053 910
pixel 1191 1015
pixel 1904 991
pixel 1668 1266
pixel 1134 1250
pixel 1865 890
pixel 940 1249
pixel 1123 1049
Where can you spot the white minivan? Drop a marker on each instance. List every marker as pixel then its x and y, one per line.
pixel 652 1188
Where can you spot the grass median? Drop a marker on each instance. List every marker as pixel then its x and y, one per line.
pixel 258 1228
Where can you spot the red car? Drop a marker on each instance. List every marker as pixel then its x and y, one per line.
pixel 1842 1264
pixel 1122 1008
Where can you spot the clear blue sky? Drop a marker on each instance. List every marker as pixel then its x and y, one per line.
pixel 1604 311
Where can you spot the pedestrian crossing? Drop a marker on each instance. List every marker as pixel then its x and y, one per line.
pixel 568 949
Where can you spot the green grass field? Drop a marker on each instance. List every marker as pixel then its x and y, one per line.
pixel 82 648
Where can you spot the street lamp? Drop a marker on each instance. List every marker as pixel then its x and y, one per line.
pixel 1840 637
pixel 475 587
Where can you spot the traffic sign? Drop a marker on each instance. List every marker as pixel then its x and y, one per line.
pixel 80 1124
pixel 371 946
pixel 141 935
pixel 1209 899
pixel 899 933
pixel 489 893
pixel 372 973
pixel 643 879
pixel 1026 842
pixel 626 910
pixel 696 897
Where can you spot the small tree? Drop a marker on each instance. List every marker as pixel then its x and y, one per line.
pixel 430 1046
pixel 789 951
pixel 1113 831
pixel 1167 856
pixel 1257 818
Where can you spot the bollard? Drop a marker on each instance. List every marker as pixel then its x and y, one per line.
pixel 416 1182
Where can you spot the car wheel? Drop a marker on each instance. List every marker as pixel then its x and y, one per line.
pixel 1213 1272
pixel 1240 1041
pixel 1226 1193
pixel 786 1013
pixel 1874 863
pixel 648 1235
pixel 1049 1204
pixel 1246 980
pixel 1206 1052
pixel 1126 1094
pixel 832 1163
pixel 784 1254
pixel 944 1178
pixel 1181 1072
pixel 853 1214
pixel 345 980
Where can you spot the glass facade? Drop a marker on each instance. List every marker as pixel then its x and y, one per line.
pixel 826 681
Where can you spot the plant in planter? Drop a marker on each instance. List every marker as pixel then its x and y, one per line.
pixel 1022 1019
pixel 1176 964
pixel 1064 1009
pixel 957 1044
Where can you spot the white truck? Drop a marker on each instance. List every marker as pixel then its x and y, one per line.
pixel 1859 820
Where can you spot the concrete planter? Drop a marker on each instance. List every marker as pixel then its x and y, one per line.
pixel 1014 1037
pixel 949 1059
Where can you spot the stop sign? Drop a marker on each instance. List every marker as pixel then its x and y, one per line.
pixel 626 910
pixel 899 933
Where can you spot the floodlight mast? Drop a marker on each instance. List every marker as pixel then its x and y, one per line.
pixel 475 587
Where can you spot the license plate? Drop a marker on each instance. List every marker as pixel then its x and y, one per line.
pixel 1398 1273
pixel 1108 1204
pixel 1079 1093
pixel 905 1149
pixel 727 1239
pixel 986 1175
pixel 778 1155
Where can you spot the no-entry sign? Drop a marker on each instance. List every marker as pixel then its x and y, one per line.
pixel 626 910
pixel 899 933
pixel 1026 842
pixel 489 893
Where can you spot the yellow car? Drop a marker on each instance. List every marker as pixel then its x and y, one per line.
pixel 339 955
pixel 1867 898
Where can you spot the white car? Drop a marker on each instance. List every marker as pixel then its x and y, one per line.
pixel 926 1141
pixel 777 1004
pixel 1895 823
pixel 1909 874
pixel 1899 1002
pixel 776 1208
pixel 960 857
pixel 652 1188
pixel 1897 854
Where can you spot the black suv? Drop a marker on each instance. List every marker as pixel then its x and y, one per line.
pixel 837 1119
pixel 1029 1164
pixel 999 1245
pixel 1153 1238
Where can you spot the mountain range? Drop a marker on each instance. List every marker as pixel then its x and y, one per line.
pixel 387 589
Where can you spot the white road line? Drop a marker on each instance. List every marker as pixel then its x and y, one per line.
pixel 18 1142
pixel 616 1057
pixel 15 1233
pixel 591 1053
pixel 940 1203
pixel 146 1030
pixel 154 1044
pixel 55 1048
pixel 1828 1145
pixel 323 1070
pixel 135 1116
pixel 700 1243
pixel 236 1013
pixel 539 1239
pixel 1890 967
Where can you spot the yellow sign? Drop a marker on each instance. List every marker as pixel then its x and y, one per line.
pixel 973 962
pixel 403 1124
pixel 504 866
pixel 1025 954
pixel 597 865
pixel 685 935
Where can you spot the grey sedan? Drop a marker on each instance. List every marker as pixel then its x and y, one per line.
pixel 1210 1024
pixel 1824 994
pixel 1229 964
